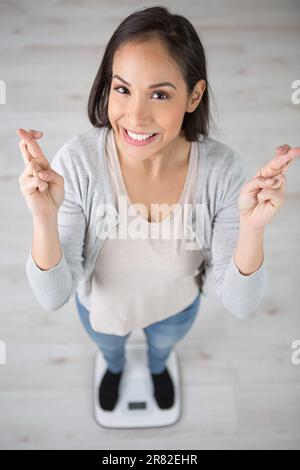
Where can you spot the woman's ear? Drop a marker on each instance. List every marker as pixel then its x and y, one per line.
pixel 196 96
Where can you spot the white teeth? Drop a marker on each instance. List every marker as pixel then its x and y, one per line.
pixel 138 136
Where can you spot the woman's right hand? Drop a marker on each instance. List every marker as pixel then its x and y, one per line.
pixel 43 193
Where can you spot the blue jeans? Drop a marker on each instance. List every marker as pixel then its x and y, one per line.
pixel 161 337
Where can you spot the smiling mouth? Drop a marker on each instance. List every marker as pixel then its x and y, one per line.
pixel 137 142
pixel 140 133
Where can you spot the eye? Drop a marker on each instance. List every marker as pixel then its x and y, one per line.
pixel 161 93
pixel 156 92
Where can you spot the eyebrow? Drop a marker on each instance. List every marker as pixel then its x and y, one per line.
pixel 154 85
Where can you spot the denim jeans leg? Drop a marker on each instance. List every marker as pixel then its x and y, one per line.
pixel 161 336
pixel 111 346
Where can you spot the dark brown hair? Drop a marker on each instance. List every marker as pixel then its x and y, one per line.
pixel 183 45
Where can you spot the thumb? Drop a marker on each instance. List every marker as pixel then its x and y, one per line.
pixel 48 175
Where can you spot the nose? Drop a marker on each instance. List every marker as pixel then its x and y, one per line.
pixel 138 114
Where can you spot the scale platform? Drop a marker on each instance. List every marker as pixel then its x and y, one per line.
pixel 136 406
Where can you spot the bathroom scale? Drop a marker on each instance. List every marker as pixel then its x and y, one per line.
pixel 136 406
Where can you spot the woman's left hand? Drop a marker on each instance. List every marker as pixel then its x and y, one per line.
pixel 259 198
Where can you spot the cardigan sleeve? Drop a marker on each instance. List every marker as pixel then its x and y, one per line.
pixel 53 287
pixel 240 294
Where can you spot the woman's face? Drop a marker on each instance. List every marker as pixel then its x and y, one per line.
pixel 143 108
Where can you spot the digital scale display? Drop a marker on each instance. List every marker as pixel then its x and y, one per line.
pixel 137 405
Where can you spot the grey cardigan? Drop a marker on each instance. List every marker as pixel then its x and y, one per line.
pixel 88 214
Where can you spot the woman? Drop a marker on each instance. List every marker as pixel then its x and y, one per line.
pixel 149 108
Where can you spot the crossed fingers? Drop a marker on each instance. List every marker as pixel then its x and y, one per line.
pixel 279 164
pixel 30 149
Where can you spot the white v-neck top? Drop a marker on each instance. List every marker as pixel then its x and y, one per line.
pixel 144 271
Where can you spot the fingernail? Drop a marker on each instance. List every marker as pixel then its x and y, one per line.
pixel 282 148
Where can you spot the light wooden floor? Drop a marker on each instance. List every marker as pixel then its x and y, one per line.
pixel 240 387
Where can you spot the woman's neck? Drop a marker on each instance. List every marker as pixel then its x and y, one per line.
pixel 174 157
